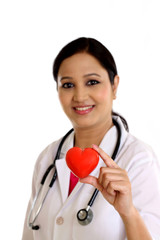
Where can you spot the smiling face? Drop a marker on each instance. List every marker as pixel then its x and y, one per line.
pixel 85 91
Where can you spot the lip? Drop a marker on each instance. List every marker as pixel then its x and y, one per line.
pixel 82 110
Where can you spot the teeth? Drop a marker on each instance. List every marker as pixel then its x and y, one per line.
pixel 83 109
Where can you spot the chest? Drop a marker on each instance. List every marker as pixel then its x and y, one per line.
pixel 58 219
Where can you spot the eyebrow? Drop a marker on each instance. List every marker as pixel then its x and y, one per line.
pixel 91 74
pixel 66 77
pixel 86 75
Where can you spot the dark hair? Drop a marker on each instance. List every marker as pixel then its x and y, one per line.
pixel 94 48
pixel 91 46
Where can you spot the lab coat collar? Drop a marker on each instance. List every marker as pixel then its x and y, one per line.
pixel 63 173
pixel 108 142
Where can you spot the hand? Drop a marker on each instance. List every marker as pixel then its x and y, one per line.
pixel 113 183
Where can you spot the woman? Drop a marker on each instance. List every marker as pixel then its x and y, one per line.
pixel 127 205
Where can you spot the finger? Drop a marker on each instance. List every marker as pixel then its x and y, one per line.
pixel 93 181
pixel 107 159
pixel 112 174
pixel 110 190
pixel 104 182
pixel 121 186
pixel 102 176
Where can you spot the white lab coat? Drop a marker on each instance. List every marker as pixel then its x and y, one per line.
pixel 57 219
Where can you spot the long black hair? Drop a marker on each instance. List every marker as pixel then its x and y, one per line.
pixel 94 48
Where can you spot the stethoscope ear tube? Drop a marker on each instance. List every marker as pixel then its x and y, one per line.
pixel 46 173
pixel 61 144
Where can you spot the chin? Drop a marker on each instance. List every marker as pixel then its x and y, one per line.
pixel 83 125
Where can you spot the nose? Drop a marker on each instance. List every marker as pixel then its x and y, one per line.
pixel 80 94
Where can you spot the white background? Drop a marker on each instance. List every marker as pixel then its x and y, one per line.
pixel 31 34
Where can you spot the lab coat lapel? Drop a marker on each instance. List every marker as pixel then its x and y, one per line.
pixel 64 179
pixel 63 172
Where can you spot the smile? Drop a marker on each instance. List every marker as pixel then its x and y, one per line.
pixel 83 109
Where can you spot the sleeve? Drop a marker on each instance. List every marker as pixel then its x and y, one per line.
pixel 44 160
pixel 27 232
pixel 144 174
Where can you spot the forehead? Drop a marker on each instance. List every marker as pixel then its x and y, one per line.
pixel 80 62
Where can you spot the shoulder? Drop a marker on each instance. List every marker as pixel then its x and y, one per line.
pixel 136 145
pixel 136 152
pixel 49 151
pixel 46 158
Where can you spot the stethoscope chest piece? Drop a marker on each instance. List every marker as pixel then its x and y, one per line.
pixel 85 216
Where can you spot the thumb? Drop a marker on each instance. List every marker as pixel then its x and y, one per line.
pixel 92 181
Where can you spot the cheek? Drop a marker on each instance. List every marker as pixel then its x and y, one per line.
pixel 105 95
pixel 64 99
pixel 61 98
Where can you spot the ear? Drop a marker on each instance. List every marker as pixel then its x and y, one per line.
pixel 115 86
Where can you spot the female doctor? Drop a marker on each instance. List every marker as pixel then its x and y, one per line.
pixel 127 205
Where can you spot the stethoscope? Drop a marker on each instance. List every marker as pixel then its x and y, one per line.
pixel 84 216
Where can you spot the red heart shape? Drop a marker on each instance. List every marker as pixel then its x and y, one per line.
pixel 82 162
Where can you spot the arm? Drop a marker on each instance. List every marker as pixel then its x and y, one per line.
pixel 135 227
pixel 114 184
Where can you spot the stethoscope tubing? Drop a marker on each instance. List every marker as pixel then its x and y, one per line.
pixel 88 210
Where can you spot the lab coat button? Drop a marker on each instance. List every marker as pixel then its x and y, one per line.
pixel 60 220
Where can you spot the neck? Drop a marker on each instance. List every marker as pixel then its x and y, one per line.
pixel 85 137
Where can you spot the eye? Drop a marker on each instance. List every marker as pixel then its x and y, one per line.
pixel 67 85
pixel 92 82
